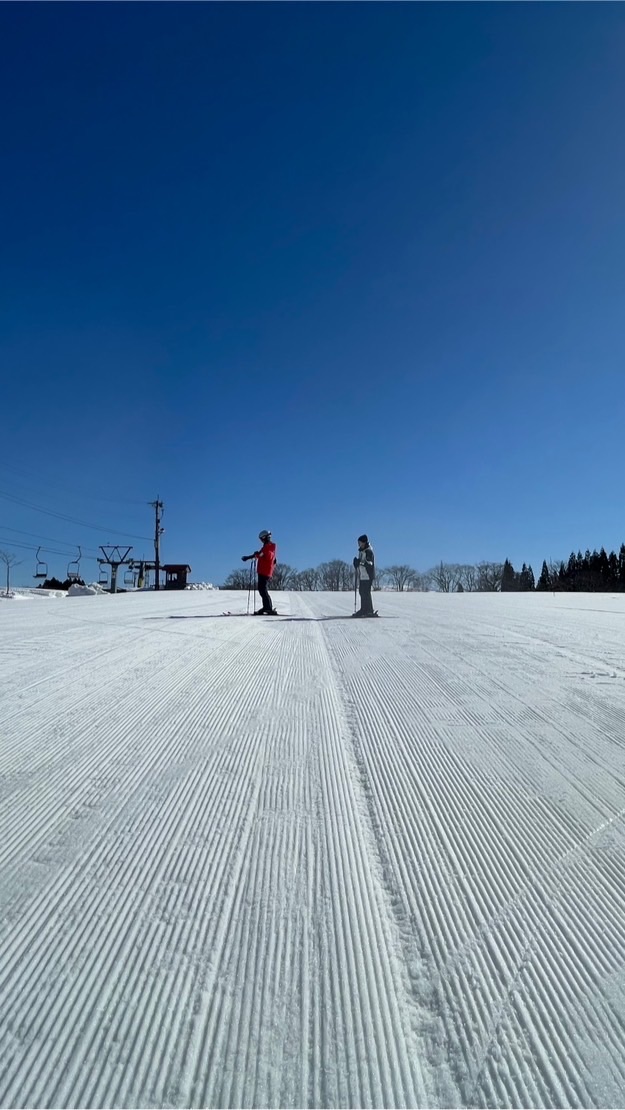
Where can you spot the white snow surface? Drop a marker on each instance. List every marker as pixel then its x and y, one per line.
pixel 308 861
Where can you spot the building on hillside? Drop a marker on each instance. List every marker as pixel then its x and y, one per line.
pixel 176 575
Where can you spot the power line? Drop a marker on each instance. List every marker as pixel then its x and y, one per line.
pixel 70 519
pixel 36 536
pixel 90 495
pixel 48 550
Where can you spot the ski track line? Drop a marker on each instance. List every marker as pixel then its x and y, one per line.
pixel 537 632
pixel 68 707
pixel 124 653
pixel 19 658
pixel 594 723
pixel 353 999
pixel 359 872
pixel 392 878
pixel 84 988
pixel 29 652
pixel 613 715
pixel 80 769
pixel 485 696
pixel 58 984
pixel 69 670
pixel 163 762
pixel 387 739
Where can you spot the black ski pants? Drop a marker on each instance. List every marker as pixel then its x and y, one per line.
pixel 364 589
pixel 264 592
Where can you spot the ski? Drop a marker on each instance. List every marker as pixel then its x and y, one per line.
pixel 229 613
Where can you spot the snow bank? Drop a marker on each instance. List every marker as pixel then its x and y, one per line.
pixel 77 590
pixel 200 586
pixel 27 594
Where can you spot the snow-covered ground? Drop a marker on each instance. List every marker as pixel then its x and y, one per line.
pixel 312 861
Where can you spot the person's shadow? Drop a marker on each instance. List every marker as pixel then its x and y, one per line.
pixel 228 616
pixel 279 617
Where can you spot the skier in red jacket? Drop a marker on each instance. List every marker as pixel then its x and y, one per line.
pixel 266 565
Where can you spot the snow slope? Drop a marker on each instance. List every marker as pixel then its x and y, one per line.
pixel 311 861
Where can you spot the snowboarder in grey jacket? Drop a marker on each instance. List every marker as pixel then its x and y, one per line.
pixel 364 566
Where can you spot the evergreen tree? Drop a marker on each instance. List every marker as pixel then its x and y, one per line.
pixel 586 571
pixel 594 575
pixel 580 573
pixel 544 581
pixel 526 578
pixel 508 577
pixel 621 567
pixel 613 571
pixel 603 568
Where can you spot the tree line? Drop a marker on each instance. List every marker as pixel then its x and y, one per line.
pixel 338 575
pixel 593 572
pixel 590 572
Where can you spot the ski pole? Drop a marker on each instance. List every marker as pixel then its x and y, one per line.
pixel 249 588
pixel 254 580
pixel 355 587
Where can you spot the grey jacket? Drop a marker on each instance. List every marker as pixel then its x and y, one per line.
pixel 365 564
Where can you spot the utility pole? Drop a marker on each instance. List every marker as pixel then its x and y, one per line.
pixel 158 532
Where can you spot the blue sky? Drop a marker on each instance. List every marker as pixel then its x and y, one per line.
pixel 317 268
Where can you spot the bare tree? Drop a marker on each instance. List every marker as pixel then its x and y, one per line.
pixel 283 577
pixel 9 561
pixel 336 575
pixel 401 576
pixel 445 576
pixel 238 579
pixel 441 577
pixel 306 579
pixel 489 577
pixel 421 582
pixel 380 580
pixel 469 577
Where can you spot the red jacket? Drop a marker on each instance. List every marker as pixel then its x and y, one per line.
pixel 266 559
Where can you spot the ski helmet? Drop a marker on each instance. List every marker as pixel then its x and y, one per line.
pixel 363 539
pixel 264 535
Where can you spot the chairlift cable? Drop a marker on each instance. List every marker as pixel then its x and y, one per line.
pixel 71 519
pixel 91 495
pixel 48 550
pixel 36 536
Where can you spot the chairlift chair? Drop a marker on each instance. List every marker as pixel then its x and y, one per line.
pixel 103 579
pixel 73 567
pixel 41 569
pixel 129 577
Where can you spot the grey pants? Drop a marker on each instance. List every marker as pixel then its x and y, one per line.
pixel 364 589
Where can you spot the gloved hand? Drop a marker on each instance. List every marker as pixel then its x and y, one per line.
pixel 244 558
pixel 355 561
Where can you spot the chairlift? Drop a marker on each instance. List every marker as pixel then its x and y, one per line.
pixel 41 569
pixel 73 567
pixel 129 576
pixel 103 579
